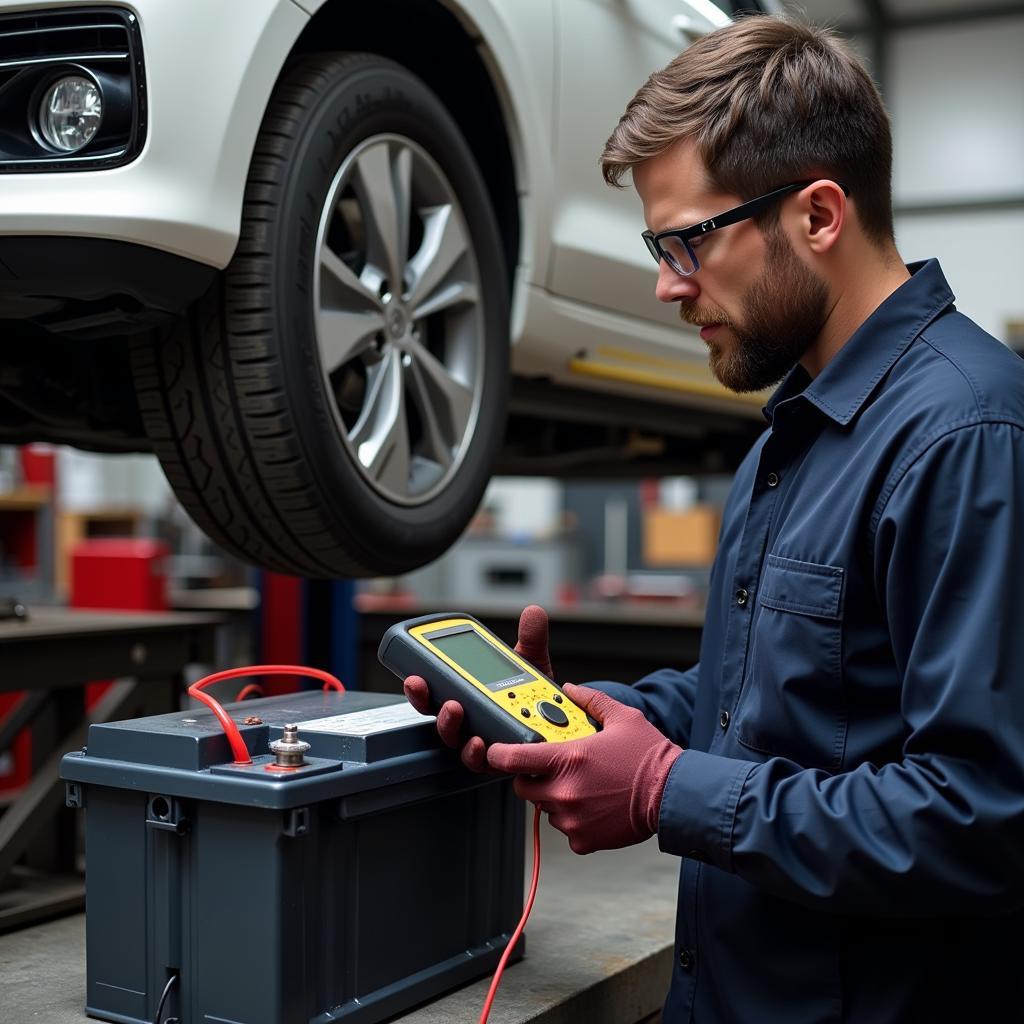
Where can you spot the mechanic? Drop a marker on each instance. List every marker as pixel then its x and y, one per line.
pixel 843 772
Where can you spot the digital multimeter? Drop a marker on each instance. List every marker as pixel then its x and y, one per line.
pixel 506 699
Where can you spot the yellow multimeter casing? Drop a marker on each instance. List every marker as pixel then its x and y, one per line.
pixel 505 698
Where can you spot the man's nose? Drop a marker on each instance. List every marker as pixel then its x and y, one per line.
pixel 672 287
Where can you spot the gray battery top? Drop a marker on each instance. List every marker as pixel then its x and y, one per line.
pixel 358 741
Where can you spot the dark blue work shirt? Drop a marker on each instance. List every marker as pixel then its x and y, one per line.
pixel 850 802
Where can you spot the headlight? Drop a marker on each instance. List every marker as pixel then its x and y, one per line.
pixel 70 113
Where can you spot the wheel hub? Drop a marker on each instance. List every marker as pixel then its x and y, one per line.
pixel 397 320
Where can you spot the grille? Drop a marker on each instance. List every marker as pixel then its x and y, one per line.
pixel 37 47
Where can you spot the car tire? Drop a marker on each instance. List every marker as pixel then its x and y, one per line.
pixel 310 417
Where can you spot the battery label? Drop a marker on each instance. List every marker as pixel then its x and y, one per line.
pixel 366 723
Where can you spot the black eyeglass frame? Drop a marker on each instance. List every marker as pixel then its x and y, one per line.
pixel 744 211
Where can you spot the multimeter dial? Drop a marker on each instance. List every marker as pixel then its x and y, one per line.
pixel 505 698
pixel 553 713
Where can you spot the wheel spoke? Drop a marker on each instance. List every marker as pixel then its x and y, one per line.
pixel 341 272
pixel 381 437
pixel 343 334
pixel 450 295
pixel 386 181
pixel 452 400
pixel 444 243
pixel 438 443
pixel 401 177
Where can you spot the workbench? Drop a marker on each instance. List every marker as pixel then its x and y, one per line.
pixel 51 655
pixel 598 949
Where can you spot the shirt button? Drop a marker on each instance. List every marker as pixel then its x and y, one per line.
pixel 773 480
pixel 723 719
pixel 686 959
pixel 741 597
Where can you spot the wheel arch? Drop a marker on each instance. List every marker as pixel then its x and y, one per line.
pixel 470 82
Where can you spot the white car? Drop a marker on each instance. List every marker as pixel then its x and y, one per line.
pixel 300 248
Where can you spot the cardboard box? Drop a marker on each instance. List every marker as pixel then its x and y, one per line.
pixel 673 539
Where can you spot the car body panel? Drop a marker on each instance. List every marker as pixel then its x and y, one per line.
pixel 520 54
pixel 595 235
pixel 598 349
pixel 598 303
pixel 598 257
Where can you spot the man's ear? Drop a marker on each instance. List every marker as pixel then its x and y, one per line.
pixel 822 209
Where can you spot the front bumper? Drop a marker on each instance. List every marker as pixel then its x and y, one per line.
pixel 210 69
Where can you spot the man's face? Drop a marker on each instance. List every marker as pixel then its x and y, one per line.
pixel 758 306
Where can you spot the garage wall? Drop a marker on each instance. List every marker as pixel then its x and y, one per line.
pixel 956 94
pixel 982 255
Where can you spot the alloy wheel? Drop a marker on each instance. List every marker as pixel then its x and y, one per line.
pixel 399 318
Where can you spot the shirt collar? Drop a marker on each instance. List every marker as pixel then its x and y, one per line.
pixel 844 385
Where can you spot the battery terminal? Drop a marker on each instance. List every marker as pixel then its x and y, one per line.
pixel 237 743
pixel 289 749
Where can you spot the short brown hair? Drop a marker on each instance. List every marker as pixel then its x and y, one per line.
pixel 769 101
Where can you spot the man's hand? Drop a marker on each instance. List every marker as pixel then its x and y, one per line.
pixel 532 641
pixel 603 791
pixel 532 645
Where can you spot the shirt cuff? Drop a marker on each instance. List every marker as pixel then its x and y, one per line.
pixel 698 807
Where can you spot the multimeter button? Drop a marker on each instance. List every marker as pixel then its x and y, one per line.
pixel 511 695
pixel 552 713
pixel 558 698
pixel 525 712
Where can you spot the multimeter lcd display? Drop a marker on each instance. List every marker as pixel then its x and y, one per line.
pixel 480 659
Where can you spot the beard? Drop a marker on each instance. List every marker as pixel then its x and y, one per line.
pixel 784 311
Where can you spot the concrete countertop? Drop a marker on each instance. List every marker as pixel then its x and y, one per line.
pixel 598 950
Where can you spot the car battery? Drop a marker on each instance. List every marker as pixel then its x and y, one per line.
pixel 373 876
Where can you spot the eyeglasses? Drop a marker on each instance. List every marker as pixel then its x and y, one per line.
pixel 676 247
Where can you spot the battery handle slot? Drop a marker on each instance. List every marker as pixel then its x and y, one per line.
pixel 296 822
pixel 164 812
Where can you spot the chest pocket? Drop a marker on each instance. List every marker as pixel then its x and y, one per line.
pixel 793 702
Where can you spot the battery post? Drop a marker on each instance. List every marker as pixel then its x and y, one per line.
pixel 289 750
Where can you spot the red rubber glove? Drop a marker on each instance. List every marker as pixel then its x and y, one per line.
pixel 532 645
pixel 603 791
